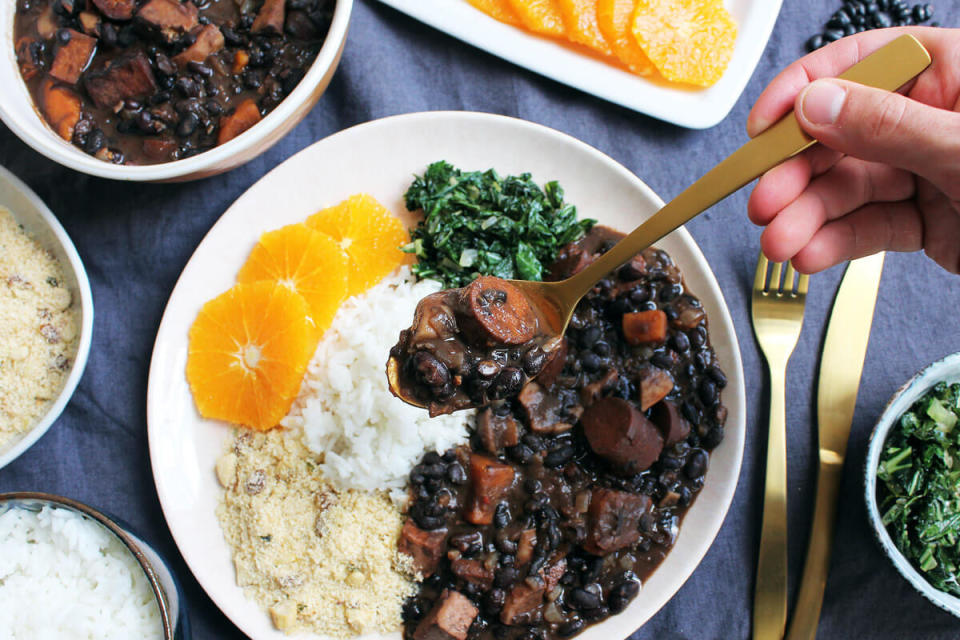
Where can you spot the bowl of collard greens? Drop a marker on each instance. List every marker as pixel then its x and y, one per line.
pixel 912 486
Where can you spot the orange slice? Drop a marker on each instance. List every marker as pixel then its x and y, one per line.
pixel 369 234
pixel 249 348
pixel 615 21
pixel 580 19
pixel 689 41
pixel 498 9
pixel 309 262
pixel 540 16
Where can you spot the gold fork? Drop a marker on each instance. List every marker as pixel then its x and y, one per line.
pixel 777 320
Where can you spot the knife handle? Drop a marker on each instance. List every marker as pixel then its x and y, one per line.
pixel 806 613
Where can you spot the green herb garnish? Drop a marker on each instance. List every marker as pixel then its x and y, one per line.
pixel 477 223
pixel 919 492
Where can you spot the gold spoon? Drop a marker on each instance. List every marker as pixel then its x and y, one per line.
pixel 888 68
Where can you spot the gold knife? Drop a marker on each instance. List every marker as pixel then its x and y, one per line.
pixel 841 366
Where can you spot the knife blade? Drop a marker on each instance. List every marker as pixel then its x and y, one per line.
pixel 841 366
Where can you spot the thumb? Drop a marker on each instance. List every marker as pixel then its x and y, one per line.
pixel 882 126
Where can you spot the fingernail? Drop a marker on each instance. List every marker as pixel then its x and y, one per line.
pixel 822 102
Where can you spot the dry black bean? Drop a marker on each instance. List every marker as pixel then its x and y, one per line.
pixel 708 392
pixel 713 437
pixel 570 628
pixel 582 599
pixel 455 474
pixel 506 577
pixel 412 610
pixel 696 464
pixel 501 516
pixel 520 453
pixel 533 360
pixel 559 457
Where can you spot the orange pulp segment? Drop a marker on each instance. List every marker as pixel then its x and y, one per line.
pixel 369 234
pixel 309 262
pixel 498 9
pixel 615 21
pixel 688 41
pixel 580 19
pixel 249 348
pixel 540 16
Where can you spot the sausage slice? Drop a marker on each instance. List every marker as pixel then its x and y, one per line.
pixel 490 480
pixel 496 312
pixel 621 435
pixel 673 425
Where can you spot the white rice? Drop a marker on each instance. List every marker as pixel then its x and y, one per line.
pixel 66 577
pixel 369 439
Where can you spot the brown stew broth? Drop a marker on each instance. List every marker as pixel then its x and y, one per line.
pixel 555 474
pixel 185 111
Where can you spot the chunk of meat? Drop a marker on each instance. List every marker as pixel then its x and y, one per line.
pixel 553 573
pixel 473 571
pixel 90 23
pixel 689 317
pixel 170 18
pixel 673 425
pixel 26 47
pixel 543 411
pixel 116 9
pixel 490 480
pixel 614 520
pixel 522 605
pixel 655 385
pixel 73 57
pixel 245 116
pixel 61 108
pixel 645 327
pixel 450 618
pixel 425 547
pixel 591 392
pixel 128 77
pixel 556 359
pixel 525 545
pixel 497 313
pixel 621 435
pixel 270 18
pixel 158 148
pixel 496 431
pixel 571 260
pixel 47 23
pixel 209 41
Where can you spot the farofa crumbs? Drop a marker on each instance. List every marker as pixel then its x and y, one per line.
pixel 39 326
pixel 315 558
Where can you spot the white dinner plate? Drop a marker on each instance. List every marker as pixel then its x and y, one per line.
pixel 381 158
pixel 687 107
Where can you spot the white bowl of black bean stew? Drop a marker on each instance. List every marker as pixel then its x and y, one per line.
pixel 164 90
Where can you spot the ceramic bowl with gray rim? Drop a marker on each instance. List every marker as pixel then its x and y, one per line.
pixel 945 370
pixel 163 582
pixel 37 220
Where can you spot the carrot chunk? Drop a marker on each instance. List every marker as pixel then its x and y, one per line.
pixel 644 327
pixel 245 116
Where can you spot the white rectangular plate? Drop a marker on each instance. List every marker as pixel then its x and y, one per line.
pixel 693 108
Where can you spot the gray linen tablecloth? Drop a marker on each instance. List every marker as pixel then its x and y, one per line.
pixel 135 239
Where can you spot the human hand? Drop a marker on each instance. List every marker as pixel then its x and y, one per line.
pixel 887 174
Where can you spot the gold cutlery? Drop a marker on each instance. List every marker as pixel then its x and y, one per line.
pixel 777 313
pixel 841 366
pixel 889 68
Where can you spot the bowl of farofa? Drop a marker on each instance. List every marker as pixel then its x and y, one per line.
pixel 43 353
pixel 24 115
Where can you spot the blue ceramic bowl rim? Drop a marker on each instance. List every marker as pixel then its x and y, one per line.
pixel 34 497
pixel 946 369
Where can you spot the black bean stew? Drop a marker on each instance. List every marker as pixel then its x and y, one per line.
pixel 150 81
pixel 475 344
pixel 571 493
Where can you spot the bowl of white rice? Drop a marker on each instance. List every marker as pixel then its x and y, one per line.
pixel 69 572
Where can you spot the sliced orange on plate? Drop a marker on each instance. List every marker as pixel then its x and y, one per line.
pixel 309 262
pixel 615 21
pixel 498 9
pixel 540 16
pixel 248 350
pixel 370 235
pixel 689 41
pixel 580 19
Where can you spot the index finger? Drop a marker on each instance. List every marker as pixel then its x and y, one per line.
pixel 828 62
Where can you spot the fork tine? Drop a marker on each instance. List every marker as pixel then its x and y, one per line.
pixel 775 276
pixel 802 284
pixel 788 278
pixel 760 279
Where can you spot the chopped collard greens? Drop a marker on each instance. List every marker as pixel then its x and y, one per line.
pixel 919 489
pixel 478 223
